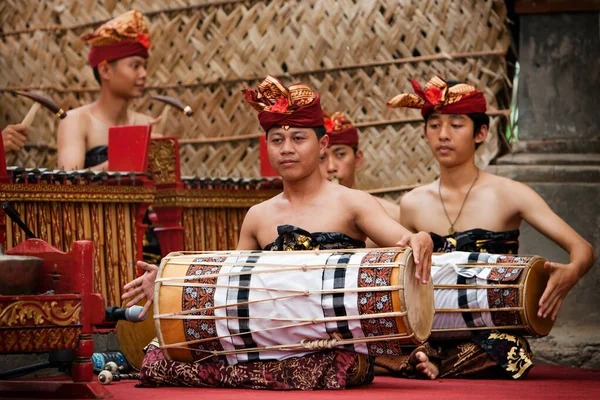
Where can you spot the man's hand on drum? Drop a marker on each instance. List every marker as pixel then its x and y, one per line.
pixel 422 247
pixel 562 278
pixel 141 287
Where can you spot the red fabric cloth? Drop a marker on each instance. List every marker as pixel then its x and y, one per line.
pixel 544 382
pixel 278 105
pixel 115 51
pixel 348 137
pixel 340 130
pixel 438 97
pixel 433 97
pixel 308 116
pixel 473 103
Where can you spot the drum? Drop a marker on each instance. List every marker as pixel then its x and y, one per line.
pixel 260 305
pixel 480 291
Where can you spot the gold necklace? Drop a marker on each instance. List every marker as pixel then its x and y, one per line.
pixel 451 230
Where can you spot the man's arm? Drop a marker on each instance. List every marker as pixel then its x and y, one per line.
pixel 248 240
pixel 408 211
pixel 563 277
pixel 14 137
pixel 373 220
pixel 71 144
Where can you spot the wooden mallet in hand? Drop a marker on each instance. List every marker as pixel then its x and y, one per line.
pixel 39 101
pixel 172 101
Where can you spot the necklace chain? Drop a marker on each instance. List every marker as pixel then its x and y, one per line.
pixel 451 230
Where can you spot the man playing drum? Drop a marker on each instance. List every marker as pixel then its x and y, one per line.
pixel 118 57
pixel 471 210
pixel 296 139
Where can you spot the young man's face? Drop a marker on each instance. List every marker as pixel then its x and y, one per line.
pixel 340 162
pixel 126 77
pixel 294 153
pixel 452 139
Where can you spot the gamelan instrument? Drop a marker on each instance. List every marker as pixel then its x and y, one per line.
pixel 258 305
pixel 481 291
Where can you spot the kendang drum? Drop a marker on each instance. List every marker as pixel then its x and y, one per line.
pixel 260 305
pixel 481 291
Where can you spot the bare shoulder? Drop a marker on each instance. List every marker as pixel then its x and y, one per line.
pixel 354 197
pixel 418 195
pixel 259 210
pixel 391 208
pixel 77 118
pixel 505 187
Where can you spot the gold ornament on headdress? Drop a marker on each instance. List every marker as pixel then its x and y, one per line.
pixel 436 92
pixel 337 122
pixel 127 26
pixel 273 96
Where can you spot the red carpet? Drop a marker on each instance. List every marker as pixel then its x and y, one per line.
pixel 544 382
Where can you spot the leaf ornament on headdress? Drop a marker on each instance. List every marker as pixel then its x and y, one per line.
pixel 436 96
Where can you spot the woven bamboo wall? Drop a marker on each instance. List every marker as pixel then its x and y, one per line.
pixel 357 54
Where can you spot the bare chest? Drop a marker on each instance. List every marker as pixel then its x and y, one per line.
pixel 311 219
pixel 455 214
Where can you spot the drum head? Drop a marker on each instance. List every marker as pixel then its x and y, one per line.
pixel 418 299
pixel 535 284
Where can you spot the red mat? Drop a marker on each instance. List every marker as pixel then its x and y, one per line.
pixel 544 382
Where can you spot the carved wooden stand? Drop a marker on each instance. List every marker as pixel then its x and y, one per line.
pixel 63 320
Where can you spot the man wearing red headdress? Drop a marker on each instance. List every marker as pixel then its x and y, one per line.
pixel 343 157
pixel 471 210
pixel 311 213
pixel 118 56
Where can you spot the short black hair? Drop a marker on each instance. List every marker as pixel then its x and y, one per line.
pixel 320 131
pixel 479 119
pixel 97 74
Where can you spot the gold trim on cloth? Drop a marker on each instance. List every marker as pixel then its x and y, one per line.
pixel 518 358
pixel 437 92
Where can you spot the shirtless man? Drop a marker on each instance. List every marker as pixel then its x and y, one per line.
pixel 296 139
pixel 118 56
pixel 14 137
pixel 342 157
pixel 295 142
pixel 467 209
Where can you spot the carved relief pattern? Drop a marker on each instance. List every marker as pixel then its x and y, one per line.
pixel 36 312
pixel 35 340
pixel 162 156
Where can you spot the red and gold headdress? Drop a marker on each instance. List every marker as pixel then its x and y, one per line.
pixel 436 96
pixel 124 36
pixel 340 130
pixel 277 105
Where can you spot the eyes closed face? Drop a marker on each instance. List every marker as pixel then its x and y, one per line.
pixel 450 137
pixel 340 161
pixel 294 153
